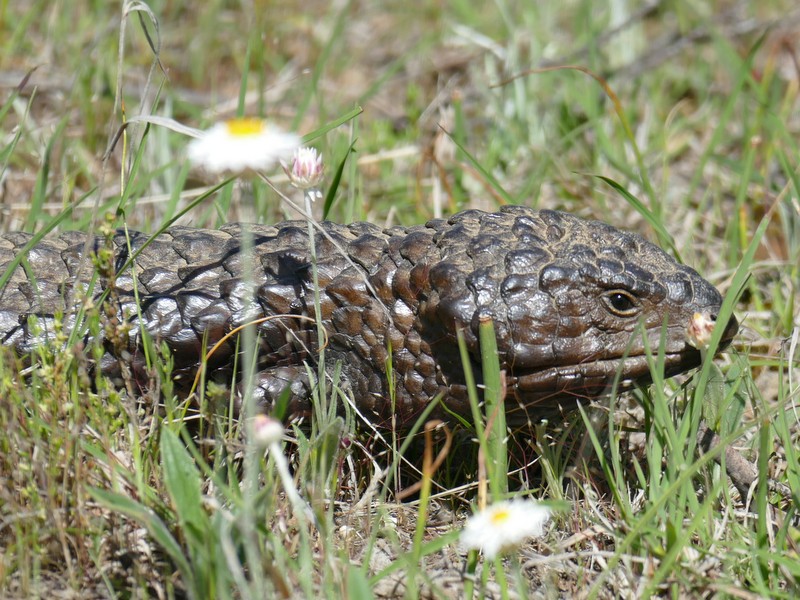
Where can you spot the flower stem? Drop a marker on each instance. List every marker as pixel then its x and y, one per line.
pixel 308 196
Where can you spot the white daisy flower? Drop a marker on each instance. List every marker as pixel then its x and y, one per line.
pixel 306 169
pixel 503 526
pixel 241 146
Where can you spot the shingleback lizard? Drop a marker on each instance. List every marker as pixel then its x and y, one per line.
pixel 565 294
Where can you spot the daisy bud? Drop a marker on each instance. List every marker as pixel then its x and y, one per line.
pixel 701 326
pixel 266 430
pixel 306 169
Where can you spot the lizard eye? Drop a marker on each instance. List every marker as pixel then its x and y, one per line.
pixel 621 303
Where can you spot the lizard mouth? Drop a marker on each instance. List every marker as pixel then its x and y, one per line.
pixel 563 387
pixel 595 379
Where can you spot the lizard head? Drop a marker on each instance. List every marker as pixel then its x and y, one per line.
pixel 576 305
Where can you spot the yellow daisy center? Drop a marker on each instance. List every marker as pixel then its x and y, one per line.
pixel 245 127
pixel 500 516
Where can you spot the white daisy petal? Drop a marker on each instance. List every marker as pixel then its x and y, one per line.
pixel 503 526
pixel 240 146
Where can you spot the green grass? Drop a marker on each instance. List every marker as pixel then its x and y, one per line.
pixel 697 150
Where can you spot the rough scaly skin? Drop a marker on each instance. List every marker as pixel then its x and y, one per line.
pixel 566 296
